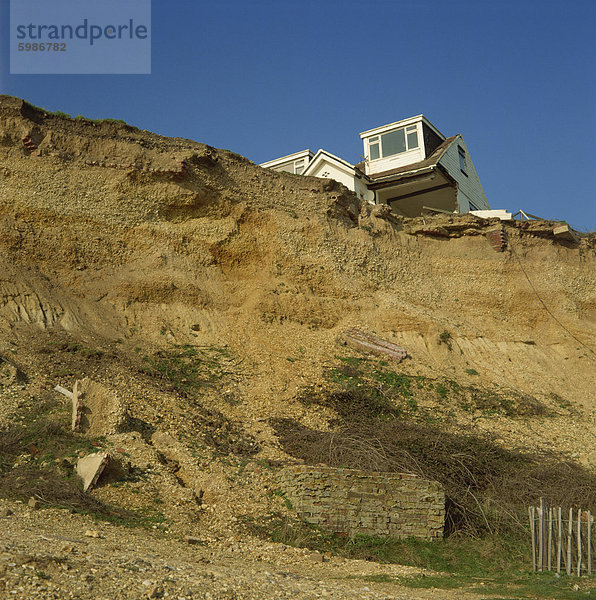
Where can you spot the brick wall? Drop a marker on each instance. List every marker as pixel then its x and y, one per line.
pixel 351 501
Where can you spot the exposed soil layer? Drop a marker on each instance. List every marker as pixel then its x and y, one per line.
pixel 207 293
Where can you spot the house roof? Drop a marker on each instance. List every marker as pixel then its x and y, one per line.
pixel 402 123
pixel 426 164
pixel 324 154
pixel 288 158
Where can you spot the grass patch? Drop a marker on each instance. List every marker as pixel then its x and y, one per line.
pixel 466 556
pixel 445 338
pixel 517 585
pixel 36 460
pixel 492 566
pixel 189 369
pixel 192 372
pixel 372 388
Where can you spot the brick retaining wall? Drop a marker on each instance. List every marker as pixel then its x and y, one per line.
pixel 350 501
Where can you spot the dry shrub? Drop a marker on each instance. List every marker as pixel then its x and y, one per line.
pixel 488 487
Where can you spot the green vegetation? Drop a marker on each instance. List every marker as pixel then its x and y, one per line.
pixel 194 372
pixel 445 338
pixel 516 585
pixel 488 565
pixel 59 113
pixel 372 381
pixel 189 369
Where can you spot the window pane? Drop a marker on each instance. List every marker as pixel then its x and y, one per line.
pixel 462 159
pixel 284 168
pixel 374 151
pixel 393 142
pixel 412 140
pixel 299 169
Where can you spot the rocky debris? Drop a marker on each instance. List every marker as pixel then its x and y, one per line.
pixel 473 224
pixel 10 373
pixel 377 218
pixel 29 144
pixel 92 533
pixel 447 226
pixel 90 467
pixel 33 503
pixel 367 342
pixel 191 539
pixel 96 410
pixel 136 563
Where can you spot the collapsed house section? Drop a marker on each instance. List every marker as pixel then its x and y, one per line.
pixel 409 165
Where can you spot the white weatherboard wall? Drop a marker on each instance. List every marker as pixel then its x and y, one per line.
pixel 397 160
pixel 393 162
pixel 468 188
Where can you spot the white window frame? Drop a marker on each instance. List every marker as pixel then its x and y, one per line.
pixel 376 140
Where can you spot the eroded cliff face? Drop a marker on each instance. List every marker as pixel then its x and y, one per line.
pixel 123 238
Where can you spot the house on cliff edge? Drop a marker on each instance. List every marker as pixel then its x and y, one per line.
pixel 409 165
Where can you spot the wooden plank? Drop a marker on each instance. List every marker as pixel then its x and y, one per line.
pixel 527 214
pixel 541 535
pixel 430 208
pixel 77 407
pixel 579 542
pixel 367 342
pixel 63 391
pixel 550 538
pixel 589 543
pixel 569 536
pixel 559 540
pixel 532 511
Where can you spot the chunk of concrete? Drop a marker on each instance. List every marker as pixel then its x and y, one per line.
pixel 90 467
pixel 564 232
pixel 96 410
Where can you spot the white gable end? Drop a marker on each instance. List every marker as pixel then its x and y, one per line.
pixel 327 166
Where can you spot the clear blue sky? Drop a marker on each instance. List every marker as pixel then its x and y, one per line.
pixel 269 77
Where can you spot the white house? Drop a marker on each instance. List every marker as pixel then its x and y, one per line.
pixel 409 165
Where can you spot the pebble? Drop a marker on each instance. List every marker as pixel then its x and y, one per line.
pixel 92 533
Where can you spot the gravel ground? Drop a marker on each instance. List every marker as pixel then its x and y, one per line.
pixel 53 554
